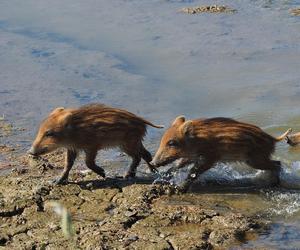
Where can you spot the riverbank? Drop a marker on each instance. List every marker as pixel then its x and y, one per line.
pixel 111 213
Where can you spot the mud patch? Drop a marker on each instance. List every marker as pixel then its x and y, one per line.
pixel 295 12
pixel 207 9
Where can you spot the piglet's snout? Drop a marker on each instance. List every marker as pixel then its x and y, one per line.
pixel 155 161
pixel 36 151
pixel 31 151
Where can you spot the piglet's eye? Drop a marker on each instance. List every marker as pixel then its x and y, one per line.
pixel 50 133
pixel 173 143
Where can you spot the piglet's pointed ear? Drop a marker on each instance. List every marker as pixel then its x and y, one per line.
pixel 187 128
pixel 178 121
pixel 62 116
pixel 57 110
pixel 65 118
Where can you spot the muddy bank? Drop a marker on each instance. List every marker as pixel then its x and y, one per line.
pixel 111 213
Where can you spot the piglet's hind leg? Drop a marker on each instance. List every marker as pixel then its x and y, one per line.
pixel 90 162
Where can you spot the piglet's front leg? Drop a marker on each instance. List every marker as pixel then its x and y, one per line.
pixel 198 168
pixel 70 158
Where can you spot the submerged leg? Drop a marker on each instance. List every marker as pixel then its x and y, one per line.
pixel 90 162
pixel 198 168
pixel 266 164
pixel 70 158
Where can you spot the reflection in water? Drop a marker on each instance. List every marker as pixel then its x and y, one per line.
pixel 279 235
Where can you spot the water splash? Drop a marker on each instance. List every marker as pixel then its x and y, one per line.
pixel 236 174
pixel 228 174
pixel 164 178
pixel 290 176
pixel 284 202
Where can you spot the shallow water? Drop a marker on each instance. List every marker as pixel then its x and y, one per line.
pixel 238 187
pixel 146 57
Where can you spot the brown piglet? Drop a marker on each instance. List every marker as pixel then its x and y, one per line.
pixel 204 142
pixel 91 128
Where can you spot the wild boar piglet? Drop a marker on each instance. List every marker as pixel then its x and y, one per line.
pixel 204 142
pixel 91 128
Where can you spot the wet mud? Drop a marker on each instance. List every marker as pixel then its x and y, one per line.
pixel 110 213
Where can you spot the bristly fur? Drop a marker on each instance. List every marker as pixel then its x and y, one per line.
pixel 216 139
pixel 231 133
pixel 102 124
pixel 91 128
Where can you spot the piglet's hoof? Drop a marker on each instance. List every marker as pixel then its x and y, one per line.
pixel 153 169
pixel 129 176
pixel 103 174
pixel 99 171
pixel 60 181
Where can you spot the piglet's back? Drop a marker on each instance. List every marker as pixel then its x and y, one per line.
pixel 98 123
pixel 230 132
